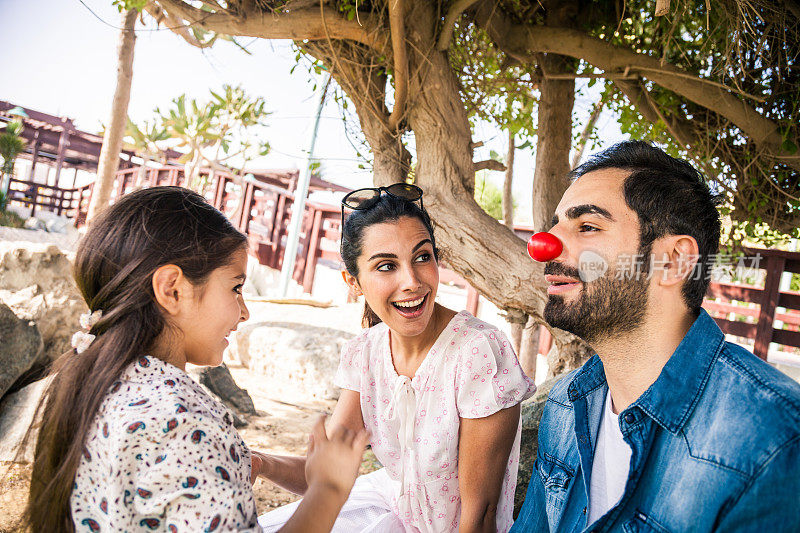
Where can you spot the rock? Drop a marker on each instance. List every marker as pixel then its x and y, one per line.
pixel 16 416
pixel 36 282
pixel 218 380
pixel 228 387
pixel 303 357
pixel 532 410
pixel 20 347
pixel 35 224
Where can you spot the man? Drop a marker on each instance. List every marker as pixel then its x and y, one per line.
pixel 668 427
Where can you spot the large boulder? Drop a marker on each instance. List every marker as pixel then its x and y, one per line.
pixel 17 413
pixel 20 347
pixel 301 359
pixel 532 410
pixel 36 282
pixel 219 383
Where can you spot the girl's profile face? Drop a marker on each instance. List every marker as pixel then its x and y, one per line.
pixel 398 274
pixel 214 313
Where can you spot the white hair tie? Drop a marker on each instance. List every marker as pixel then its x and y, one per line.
pixel 82 339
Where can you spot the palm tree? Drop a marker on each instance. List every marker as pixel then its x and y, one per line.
pixel 112 140
pixel 11 144
pixel 217 131
pixel 145 142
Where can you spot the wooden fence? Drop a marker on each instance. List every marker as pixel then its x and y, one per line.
pixel 762 314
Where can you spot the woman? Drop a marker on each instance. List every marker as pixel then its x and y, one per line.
pixel 438 390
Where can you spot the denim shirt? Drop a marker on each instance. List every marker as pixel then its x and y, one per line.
pixel 715 446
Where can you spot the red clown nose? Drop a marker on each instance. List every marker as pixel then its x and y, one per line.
pixel 544 247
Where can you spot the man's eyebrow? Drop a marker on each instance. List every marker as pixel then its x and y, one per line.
pixel 241 277
pixel 588 209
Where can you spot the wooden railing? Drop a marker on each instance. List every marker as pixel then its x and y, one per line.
pixel 754 314
pixel 763 315
pixel 61 201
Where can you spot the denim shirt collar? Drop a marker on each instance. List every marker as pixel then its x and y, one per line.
pixel 672 397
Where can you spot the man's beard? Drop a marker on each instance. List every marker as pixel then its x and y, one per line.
pixel 605 307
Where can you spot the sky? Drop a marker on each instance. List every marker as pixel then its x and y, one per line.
pixel 60 58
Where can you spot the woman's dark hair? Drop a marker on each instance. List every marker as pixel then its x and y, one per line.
pixel 113 269
pixel 386 208
pixel 670 197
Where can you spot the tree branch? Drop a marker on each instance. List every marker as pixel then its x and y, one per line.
pixel 455 11
pixel 296 25
pixel 580 148
pixel 176 26
pixel 489 164
pixel 523 42
pixel 397 25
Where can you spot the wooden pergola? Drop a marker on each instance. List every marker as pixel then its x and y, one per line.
pixel 55 141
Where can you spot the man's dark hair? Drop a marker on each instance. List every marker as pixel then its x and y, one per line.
pixel 671 198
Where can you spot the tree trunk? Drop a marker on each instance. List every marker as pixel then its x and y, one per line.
pixel 553 144
pixel 554 140
pixel 112 140
pixel 525 344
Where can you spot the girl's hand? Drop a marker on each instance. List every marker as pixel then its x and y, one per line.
pixel 332 463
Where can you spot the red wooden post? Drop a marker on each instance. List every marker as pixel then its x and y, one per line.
pixel 60 195
pixel 277 231
pixel 472 300
pixel 311 255
pixel 34 194
pixel 769 301
pixel 173 176
pixel 34 156
pixel 219 192
pixel 121 176
pixel 247 207
pixel 63 142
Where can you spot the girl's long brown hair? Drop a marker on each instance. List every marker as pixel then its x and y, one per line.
pixel 113 269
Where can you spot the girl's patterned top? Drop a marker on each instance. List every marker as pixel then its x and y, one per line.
pixel 470 372
pixel 162 456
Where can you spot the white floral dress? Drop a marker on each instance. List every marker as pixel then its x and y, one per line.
pixel 162 455
pixel 470 372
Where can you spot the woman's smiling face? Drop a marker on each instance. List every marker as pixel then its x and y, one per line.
pixel 398 274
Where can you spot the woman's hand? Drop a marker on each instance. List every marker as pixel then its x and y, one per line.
pixel 258 465
pixel 332 462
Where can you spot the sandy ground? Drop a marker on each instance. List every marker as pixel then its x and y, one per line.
pixel 281 426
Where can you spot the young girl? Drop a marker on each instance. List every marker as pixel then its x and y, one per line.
pixel 128 441
pixel 439 390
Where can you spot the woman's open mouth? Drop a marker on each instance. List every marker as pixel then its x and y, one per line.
pixel 411 308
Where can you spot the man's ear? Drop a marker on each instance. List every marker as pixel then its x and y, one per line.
pixel 679 256
pixel 352 282
pixel 170 287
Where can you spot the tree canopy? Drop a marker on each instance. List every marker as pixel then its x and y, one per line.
pixel 714 82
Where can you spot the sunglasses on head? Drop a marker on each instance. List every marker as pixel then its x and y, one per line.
pixel 361 199
pixel 365 198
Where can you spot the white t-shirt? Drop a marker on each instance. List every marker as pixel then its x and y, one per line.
pixel 612 459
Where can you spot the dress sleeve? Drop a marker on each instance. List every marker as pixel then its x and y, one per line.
pixel 352 358
pixel 194 475
pixel 489 377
